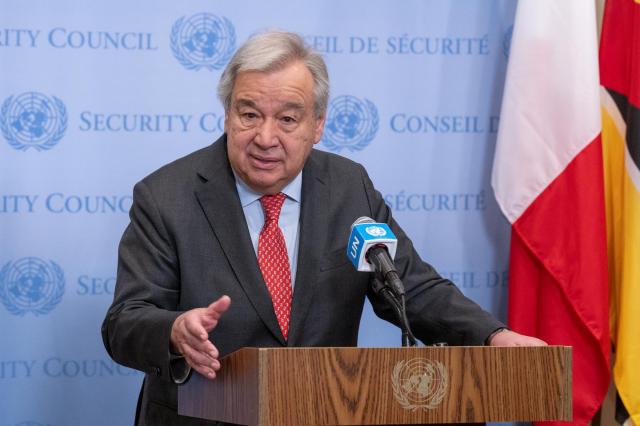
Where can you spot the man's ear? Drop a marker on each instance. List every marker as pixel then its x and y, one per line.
pixel 319 128
pixel 226 122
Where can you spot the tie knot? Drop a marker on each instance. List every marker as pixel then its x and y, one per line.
pixel 271 204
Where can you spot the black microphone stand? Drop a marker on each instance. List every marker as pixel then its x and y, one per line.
pixel 397 302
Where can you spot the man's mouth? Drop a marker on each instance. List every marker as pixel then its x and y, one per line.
pixel 262 162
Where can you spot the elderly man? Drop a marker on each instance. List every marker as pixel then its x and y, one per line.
pixel 258 223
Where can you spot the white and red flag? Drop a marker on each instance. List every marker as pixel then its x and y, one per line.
pixel 548 180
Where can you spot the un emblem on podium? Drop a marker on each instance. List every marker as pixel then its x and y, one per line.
pixel 203 41
pixel 351 123
pixel 33 120
pixel 31 285
pixel 419 383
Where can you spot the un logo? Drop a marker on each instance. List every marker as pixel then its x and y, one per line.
pixel 33 120
pixel 203 41
pixel 419 383
pixel 31 285
pixel 375 231
pixel 351 123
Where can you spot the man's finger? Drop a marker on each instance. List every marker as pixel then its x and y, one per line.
pixel 206 347
pixel 201 363
pixel 511 338
pixel 219 307
pixel 197 357
pixel 198 342
pixel 205 371
pixel 214 311
pixel 195 325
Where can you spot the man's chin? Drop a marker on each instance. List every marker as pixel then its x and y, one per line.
pixel 267 185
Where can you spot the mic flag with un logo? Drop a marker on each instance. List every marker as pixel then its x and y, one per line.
pixel 365 234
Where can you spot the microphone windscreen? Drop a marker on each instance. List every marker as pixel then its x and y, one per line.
pixel 366 233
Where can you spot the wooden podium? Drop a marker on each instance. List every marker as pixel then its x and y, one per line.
pixel 373 386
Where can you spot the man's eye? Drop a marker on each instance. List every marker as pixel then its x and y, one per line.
pixel 288 120
pixel 249 115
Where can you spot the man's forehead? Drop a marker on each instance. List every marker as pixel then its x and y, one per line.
pixel 294 74
pixel 243 100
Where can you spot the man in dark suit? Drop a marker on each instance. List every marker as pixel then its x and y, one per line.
pixel 198 234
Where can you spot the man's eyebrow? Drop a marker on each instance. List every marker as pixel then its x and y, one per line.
pixel 293 105
pixel 245 103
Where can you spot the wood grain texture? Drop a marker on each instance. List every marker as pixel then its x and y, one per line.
pixel 232 397
pixel 354 386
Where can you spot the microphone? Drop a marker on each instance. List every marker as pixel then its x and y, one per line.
pixel 372 248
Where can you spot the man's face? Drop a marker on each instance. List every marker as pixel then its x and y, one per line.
pixel 271 126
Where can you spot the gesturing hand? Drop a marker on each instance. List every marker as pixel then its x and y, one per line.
pixel 190 336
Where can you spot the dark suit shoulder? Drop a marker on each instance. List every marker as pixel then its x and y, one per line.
pixel 324 157
pixel 203 159
pixel 334 165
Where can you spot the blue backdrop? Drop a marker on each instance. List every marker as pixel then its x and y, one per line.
pixel 96 95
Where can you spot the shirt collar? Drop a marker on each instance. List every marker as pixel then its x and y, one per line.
pixel 292 190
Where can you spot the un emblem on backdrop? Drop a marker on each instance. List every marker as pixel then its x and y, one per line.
pixel 31 285
pixel 203 41
pixel 33 120
pixel 351 123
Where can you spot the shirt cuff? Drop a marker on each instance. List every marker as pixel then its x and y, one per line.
pixel 499 330
pixel 179 370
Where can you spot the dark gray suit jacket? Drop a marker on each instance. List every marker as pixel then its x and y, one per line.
pixel 188 244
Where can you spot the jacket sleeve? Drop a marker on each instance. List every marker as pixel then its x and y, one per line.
pixel 137 328
pixel 437 310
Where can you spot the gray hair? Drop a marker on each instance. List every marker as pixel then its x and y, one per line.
pixel 272 51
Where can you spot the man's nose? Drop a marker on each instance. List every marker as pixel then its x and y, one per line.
pixel 267 135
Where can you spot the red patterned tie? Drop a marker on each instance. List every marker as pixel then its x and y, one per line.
pixel 273 260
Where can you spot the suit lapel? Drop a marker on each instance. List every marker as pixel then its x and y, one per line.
pixel 219 200
pixel 313 228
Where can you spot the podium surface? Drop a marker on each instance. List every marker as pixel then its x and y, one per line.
pixel 384 386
